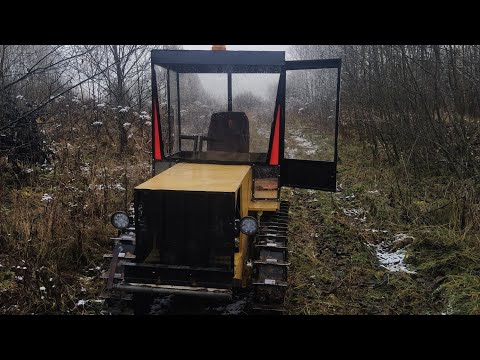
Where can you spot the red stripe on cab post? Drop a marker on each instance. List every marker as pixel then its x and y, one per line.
pixel 276 139
pixel 157 154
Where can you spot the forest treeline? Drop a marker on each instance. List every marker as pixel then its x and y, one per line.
pixel 418 104
pixel 416 108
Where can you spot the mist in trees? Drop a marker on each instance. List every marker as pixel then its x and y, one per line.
pixel 42 84
pixel 31 77
pixel 417 103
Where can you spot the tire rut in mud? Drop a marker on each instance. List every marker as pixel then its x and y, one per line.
pixel 334 271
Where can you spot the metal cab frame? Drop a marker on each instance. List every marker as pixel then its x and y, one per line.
pixel 310 174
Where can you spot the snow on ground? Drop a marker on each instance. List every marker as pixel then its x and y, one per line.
pixel 357 213
pixel 82 302
pixel 47 198
pixel 101 187
pixel 306 145
pixel 391 253
pixel 118 187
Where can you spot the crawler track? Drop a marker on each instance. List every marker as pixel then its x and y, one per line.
pixel 271 261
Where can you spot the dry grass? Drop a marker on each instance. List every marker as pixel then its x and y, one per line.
pixel 333 270
pixel 55 225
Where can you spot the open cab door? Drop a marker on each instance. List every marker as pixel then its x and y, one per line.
pixel 308 156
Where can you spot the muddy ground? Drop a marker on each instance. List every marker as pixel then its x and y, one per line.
pixel 339 265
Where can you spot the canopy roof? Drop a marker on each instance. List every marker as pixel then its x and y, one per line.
pixel 219 61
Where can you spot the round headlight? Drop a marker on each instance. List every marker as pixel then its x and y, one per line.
pixel 120 220
pixel 249 225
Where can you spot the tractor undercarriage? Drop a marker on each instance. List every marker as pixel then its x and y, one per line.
pixel 129 284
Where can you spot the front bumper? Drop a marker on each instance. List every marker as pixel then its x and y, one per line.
pixel 204 292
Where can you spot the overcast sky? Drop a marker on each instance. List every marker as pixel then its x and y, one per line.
pixel 259 85
pixel 240 47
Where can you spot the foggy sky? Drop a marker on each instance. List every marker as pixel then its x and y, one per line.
pixel 240 47
pixel 216 85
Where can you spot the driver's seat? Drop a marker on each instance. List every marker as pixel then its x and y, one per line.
pixel 229 131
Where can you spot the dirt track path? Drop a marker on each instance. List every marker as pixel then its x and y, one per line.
pixel 337 265
pixel 334 267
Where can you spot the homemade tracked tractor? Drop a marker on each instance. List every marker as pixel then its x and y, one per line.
pixel 224 142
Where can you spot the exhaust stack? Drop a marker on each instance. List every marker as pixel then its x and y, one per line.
pixel 219 47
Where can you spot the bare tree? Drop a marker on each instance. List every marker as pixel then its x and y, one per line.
pixel 31 77
pixel 125 64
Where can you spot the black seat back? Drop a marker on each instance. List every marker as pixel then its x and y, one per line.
pixel 229 131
